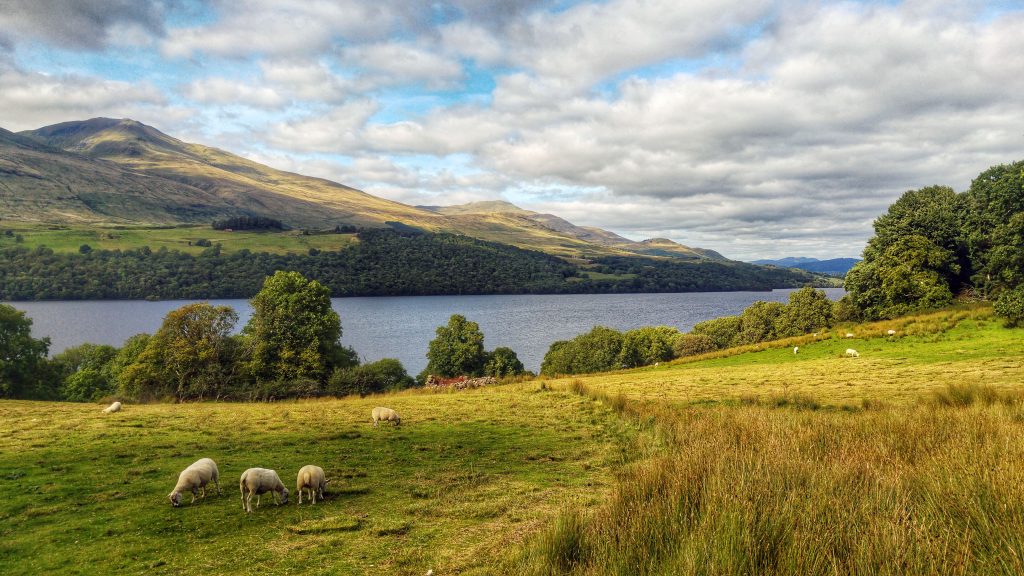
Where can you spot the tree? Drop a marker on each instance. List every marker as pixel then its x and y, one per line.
pixel 293 332
pixel 692 345
pixel 84 371
pixel 1010 306
pixel 993 199
pixel 503 362
pixel 722 331
pixel 808 310
pixel 383 375
pixel 126 356
pixel 647 345
pixel 458 349
pixel 758 322
pixel 595 351
pixel 191 356
pixel 22 357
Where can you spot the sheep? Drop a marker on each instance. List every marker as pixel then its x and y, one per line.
pixel 796 349
pixel 387 414
pixel 890 332
pixel 195 478
pixel 849 335
pixel 259 481
pixel 852 353
pixel 312 478
pixel 115 407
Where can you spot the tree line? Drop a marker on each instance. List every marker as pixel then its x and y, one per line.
pixel 290 348
pixel 383 263
pixel 604 348
pixel 935 245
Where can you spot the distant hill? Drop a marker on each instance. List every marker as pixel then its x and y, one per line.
pixel 832 267
pixel 107 171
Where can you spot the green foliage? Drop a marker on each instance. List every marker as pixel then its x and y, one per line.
pixel 647 345
pixel 1010 306
pixel 293 330
pixel 595 351
pixel 191 356
pixel 844 310
pixel 84 249
pixel 458 349
pixel 384 375
pixel 87 385
pixel 127 355
pixel 248 223
pixel 809 310
pixel 692 345
pixel 84 372
pixel 381 263
pixel 22 357
pixel 758 322
pixel 721 331
pixel 503 362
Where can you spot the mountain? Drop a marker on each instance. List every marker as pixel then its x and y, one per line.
pixel 108 171
pixel 832 267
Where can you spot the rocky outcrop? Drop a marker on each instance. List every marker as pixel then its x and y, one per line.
pixel 459 383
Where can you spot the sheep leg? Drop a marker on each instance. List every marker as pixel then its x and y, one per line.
pixel 258 495
pixel 248 503
pixel 193 497
pixel 204 491
pixel 217 483
pixel 300 496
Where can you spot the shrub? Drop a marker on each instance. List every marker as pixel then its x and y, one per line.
pixel 1010 306
pixel 648 345
pixel 383 375
pixel 87 385
pixel 722 331
pixel 595 351
pixel 503 362
pixel 693 344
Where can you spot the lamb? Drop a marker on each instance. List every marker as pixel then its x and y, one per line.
pixel 195 478
pixel 312 478
pixel 852 353
pixel 796 349
pixel 387 414
pixel 259 481
pixel 115 407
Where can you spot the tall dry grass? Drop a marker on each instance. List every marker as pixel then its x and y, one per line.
pixel 931 488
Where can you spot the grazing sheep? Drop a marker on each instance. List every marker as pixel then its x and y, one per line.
pixel 259 481
pixel 115 407
pixel 890 332
pixel 387 414
pixel 195 478
pixel 852 353
pixel 311 478
pixel 796 349
pixel 849 335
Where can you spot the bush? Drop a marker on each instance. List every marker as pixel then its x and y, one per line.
pixel 503 362
pixel 383 375
pixel 722 331
pixel 1010 306
pixel 648 345
pixel 87 385
pixel 270 390
pixel 595 351
pixel 692 345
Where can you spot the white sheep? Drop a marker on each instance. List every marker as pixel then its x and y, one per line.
pixel 311 478
pixel 890 332
pixel 115 407
pixel 796 349
pixel 259 481
pixel 852 353
pixel 849 335
pixel 195 478
pixel 386 414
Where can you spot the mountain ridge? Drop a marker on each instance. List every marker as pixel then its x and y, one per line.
pixel 105 170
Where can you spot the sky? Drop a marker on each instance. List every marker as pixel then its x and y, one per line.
pixel 756 128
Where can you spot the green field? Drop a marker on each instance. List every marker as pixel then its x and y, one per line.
pixel 752 461
pixel 68 239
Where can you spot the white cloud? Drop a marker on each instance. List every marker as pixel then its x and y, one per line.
pixel 231 92
pixel 337 130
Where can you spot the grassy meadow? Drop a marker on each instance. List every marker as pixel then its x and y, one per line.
pixel 905 460
pixel 68 239
pixel 465 479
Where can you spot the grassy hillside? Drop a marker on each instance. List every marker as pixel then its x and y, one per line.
pixel 465 479
pixel 68 239
pixel 748 461
pixel 902 461
pixel 105 171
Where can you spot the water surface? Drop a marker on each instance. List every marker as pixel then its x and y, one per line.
pixel 401 327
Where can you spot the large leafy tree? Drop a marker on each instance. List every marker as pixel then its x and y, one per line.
pixel 293 332
pixel 22 357
pixel 758 322
pixel 503 362
pixel 808 310
pixel 595 351
pixel 191 356
pixel 992 226
pixel 647 345
pixel 457 350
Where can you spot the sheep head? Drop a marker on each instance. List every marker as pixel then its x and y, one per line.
pixel 175 498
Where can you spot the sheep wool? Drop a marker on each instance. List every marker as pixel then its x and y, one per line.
pixel 194 479
pixel 115 407
pixel 386 414
pixel 259 481
pixel 311 478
